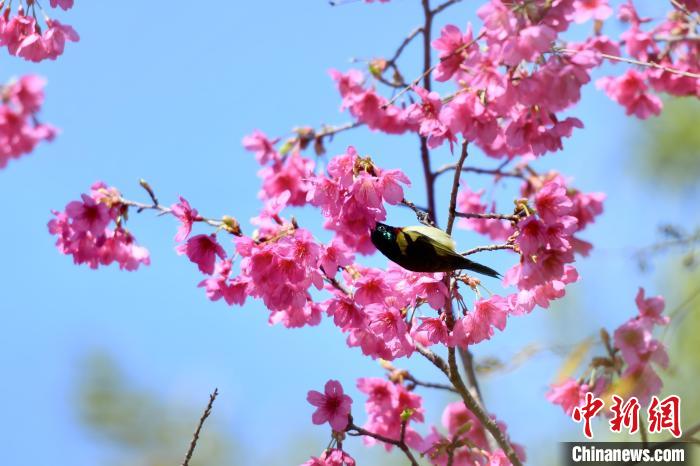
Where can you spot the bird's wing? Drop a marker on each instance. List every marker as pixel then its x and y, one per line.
pixel 441 241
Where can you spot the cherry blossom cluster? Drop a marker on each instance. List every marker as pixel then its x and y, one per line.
pixel 509 90
pixel 512 91
pixel 92 231
pixel 632 357
pixel 20 130
pixel 671 44
pixel 391 407
pixel 466 441
pixel 369 107
pixel 546 240
pixel 548 216
pixel 352 196
pixel 24 37
pixel 285 170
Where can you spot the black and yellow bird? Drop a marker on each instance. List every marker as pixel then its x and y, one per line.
pixel 422 248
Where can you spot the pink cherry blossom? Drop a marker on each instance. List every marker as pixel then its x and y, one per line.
pixel 427 116
pixel 23 38
pixel 568 394
pixel 469 201
pixel 351 197
pixel 55 37
pixel 333 406
pixel 630 91
pixel 452 46
pixel 88 216
pixel 530 43
pixel 651 308
pixel 83 231
pixel 65 4
pixel 187 215
pixel 432 330
pixel 598 10
pixel 20 128
pixel 332 457
pixel 335 255
pixel 220 286
pixel 385 404
pixel 203 251
pixel 290 174
pixel 263 148
pixel 367 106
pixel 478 324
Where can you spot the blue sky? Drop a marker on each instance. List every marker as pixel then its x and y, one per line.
pixel 166 94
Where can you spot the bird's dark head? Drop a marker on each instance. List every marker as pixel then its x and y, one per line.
pixel 383 234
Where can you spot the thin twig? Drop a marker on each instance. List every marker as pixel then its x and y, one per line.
pixel 421 215
pixel 455 186
pixel 426 73
pixel 420 383
pixel 195 436
pixel 140 206
pixel 333 130
pixel 355 430
pixel 493 247
pixel 406 41
pixel 638 62
pixel 482 171
pixel 488 216
pixel 683 9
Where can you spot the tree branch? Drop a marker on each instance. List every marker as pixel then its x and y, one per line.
pixel 632 61
pixel 510 218
pixel 228 224
pixel 355 430
pixel 406 41
pixel 455 186
pixel 195 436
pixel 481 171
pixel 471 403
pixel 426 73
pixel 438 386
pixel 447 4
pixel 493 247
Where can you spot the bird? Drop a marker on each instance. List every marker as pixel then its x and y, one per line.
pixel 422 248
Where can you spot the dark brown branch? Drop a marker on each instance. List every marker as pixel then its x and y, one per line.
pixel 447 4
pixel 481 171
pixel 354 430
pixel 195 436
pixel 427 48
pixel 473 405
pixel 429 179
pixel 420 383
pixel 455 186
pixel 392 61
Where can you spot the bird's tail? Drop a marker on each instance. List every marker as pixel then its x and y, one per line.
pixel 478 268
